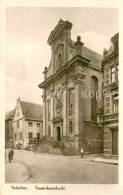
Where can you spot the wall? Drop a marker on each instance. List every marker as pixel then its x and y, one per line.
pixel 34 129
pixel 94 136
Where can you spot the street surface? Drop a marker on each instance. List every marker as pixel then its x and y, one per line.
pixel 50 169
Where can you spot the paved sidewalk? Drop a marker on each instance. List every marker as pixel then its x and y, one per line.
pixel 15 172
pixel 109 161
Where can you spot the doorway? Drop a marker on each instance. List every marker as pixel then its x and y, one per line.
pixel 115 142
pixel 58 133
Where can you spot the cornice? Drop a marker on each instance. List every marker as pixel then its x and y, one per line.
pixel 64 70
pixel 110 56
pixel 111 86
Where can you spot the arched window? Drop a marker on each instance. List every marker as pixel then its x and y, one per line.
pixel 94 89
pixel 70 127
pixel 49 131
pixel 59 59
pixel 70 103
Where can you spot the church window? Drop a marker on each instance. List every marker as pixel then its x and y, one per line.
pixel 94 89
pixel 70 127
pixel 59 59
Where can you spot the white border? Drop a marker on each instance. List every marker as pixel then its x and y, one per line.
pixel 70 189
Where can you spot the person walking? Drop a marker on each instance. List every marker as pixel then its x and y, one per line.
pixel 10 156
pixel 82 151
pixel 12 153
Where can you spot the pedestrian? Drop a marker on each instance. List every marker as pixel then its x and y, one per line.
pixel 10 156
pixel 82 151
pixel 12 153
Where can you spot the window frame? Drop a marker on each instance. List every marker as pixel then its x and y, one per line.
pixel 30 135
pixel 30 124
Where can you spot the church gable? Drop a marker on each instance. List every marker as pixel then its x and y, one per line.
pixel 18 111
pixel 62 48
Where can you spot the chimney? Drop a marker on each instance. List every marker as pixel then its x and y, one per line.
pixel 104 53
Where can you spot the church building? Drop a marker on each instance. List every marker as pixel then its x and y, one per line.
pixel 72 92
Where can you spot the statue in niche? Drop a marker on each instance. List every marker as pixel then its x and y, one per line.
pixel 58 99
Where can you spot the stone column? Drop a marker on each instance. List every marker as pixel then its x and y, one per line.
pixel 79 106
pixel 64 88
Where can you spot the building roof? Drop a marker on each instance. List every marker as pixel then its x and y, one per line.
pixel 10 115
pixel 32 111
pixel 93 56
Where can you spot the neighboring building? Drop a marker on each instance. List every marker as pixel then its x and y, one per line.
pixel 111 98
pixel 71 83
pixel 9 129
pixel 27 123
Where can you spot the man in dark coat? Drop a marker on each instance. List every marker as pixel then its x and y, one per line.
pixel 12 153
pixel 10 156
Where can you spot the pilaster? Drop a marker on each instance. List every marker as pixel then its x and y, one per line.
pixel 64 88
pixel 44 112
pixel 78 79
pixel 51 107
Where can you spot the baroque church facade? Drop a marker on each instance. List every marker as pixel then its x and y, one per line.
pixel 72 91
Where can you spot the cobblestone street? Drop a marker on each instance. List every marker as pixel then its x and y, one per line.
pixel 50 169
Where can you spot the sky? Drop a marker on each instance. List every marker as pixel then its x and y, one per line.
pixel 27 51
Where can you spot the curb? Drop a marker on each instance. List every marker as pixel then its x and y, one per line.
pixel 105 162
pixel 30 175
pixel 25 177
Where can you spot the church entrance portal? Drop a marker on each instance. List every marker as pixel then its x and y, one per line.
pixel 58 133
